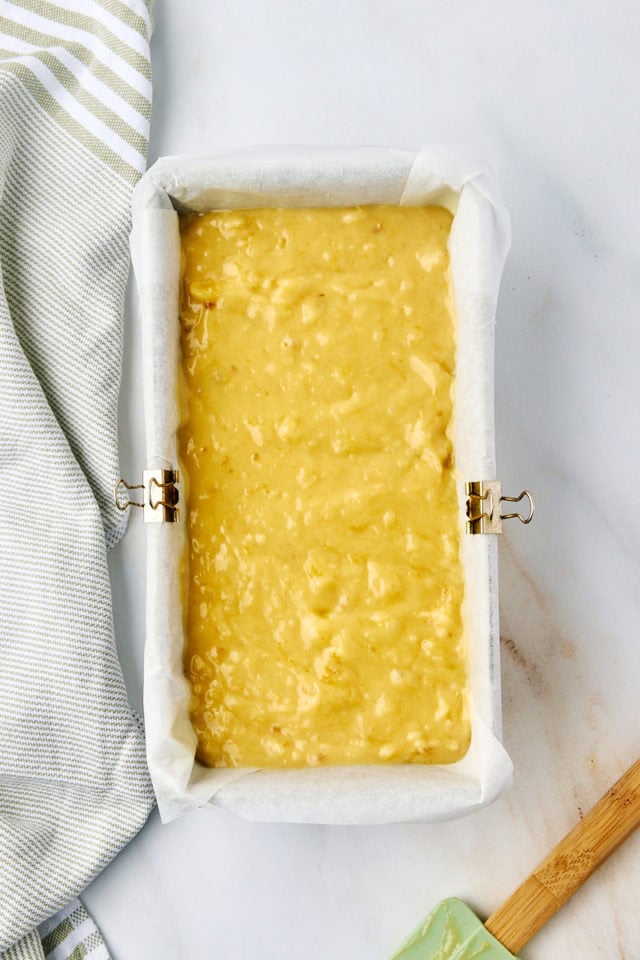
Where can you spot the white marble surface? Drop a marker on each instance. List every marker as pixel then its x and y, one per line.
pixel 549 93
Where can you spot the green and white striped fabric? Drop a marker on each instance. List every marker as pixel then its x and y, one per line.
pixel 75 91
pixel 70 934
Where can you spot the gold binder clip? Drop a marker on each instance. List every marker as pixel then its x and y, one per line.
pixel 159 497
pixel 483 506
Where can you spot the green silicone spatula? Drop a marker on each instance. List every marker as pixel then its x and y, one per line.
pixel 453 932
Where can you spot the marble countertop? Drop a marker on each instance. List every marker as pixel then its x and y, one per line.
pixel 549 94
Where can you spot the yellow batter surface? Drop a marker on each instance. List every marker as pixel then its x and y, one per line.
pixel 325 586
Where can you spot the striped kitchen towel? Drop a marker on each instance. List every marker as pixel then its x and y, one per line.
pixel 70 934
pixel 75 91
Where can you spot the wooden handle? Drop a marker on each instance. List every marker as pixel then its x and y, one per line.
pixel 566 868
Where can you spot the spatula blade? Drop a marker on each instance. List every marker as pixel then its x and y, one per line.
pixel 452 932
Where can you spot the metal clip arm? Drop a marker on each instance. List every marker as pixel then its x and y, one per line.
pixel 118 495
pixel 532 507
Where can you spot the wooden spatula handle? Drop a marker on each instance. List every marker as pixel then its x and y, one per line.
pixel 566 868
